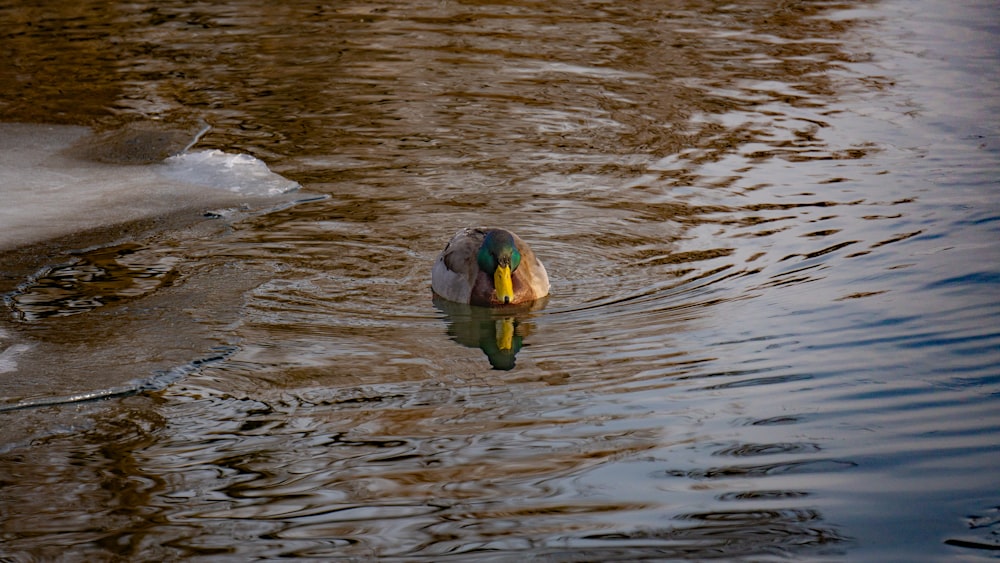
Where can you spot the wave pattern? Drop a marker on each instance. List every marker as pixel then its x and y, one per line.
pixel 775 288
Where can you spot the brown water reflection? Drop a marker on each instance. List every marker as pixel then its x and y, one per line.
pixel 772 250
pixel 391 475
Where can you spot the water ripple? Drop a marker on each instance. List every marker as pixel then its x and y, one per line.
pixel 770 229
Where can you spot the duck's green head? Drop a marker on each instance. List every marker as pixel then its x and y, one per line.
pixel 499 257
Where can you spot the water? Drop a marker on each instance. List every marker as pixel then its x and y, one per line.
pixel 771 231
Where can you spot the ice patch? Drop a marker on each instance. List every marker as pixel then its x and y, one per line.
pixel 52 187
pixel 8 357
pixel 10 352
pixel 240 173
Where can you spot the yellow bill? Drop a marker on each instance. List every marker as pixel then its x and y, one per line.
pixel 505 334
pixel 503 284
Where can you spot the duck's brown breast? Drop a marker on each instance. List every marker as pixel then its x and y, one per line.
pixel 484 293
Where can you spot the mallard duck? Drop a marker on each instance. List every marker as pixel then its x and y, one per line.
pixel 489 267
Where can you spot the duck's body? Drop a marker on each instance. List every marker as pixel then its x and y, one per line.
pixel 489 267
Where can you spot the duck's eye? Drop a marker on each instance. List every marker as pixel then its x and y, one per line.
pixel 515 259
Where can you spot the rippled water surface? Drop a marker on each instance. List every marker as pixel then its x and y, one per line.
pixel 771 230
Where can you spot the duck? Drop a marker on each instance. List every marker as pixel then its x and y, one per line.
pixel 489 267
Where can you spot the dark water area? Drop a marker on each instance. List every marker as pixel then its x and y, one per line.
pixel 771 230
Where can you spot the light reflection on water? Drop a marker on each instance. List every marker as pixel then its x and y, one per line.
pixel 771 330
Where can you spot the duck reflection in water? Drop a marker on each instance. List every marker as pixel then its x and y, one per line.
pixel 483 280
pixel 498 332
